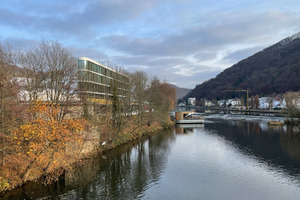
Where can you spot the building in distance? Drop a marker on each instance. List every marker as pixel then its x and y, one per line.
pixel 95 81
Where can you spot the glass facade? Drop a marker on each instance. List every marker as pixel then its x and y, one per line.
pixel 95 80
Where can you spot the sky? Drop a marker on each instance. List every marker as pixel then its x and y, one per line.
pixel 183 42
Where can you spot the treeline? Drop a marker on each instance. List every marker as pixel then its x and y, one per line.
pixel 273 70
pixel 46 124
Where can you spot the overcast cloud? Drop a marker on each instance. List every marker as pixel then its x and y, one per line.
pixel 184 42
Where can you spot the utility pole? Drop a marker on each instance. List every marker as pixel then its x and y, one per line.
pixel 247 91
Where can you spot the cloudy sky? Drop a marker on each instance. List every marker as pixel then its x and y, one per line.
pixel 183 42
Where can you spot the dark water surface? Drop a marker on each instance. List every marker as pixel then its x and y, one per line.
pixel 224 159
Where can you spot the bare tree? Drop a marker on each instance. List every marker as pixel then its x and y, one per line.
pixel 10 109
pixel 161 99
pixel 256 102
pixel 50 73
pixel 293 104
pixel 33 74
pixel 139 82
pixel 252 102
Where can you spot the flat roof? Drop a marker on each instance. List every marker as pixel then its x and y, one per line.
pixel 93 61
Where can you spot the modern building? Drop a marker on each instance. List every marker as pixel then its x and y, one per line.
pixel 95 80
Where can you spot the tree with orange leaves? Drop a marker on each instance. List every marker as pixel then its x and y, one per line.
pixel 45 145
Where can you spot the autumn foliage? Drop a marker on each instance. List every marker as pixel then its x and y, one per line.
pixel 43 146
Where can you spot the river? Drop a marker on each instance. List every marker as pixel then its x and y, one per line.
pixel 223 159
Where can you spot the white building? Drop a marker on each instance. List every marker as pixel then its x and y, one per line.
pixel 264 102
pixel 222 103
pixel 271 103
pixel 208 103
pixel 192 101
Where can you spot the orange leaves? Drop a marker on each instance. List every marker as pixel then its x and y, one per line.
pixel 39 147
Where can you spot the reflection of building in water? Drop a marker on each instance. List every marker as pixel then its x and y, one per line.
pixel 264 126
pixel 181 130
pixel 124 173
pixel 186 128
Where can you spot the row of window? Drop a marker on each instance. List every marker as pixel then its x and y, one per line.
pixel 89 76
pixel 96 96
pixel 101 70
pixel 96 88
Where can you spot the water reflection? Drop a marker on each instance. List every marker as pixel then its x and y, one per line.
pixel 187 128
pixel 124 173
pixel 278 147
pixel 290 142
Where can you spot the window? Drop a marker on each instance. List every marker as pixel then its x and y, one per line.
pixel 89 66
pixel 81 75
pixel 81 64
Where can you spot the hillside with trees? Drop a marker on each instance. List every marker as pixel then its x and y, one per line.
pixel 276 69
pixel 180 92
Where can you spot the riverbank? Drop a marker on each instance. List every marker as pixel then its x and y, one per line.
pixel 92 146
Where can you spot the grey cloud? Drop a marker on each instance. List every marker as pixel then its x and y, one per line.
pixel 21 43
pixel 88 52
pixel 175 45
pixel 197 76
pixel 113 11
pixel 243 54
pixel 132 60
pixel 205 55
pixel 76 20
pixel 12 19
pixel 149 61
pixel 168 68
pixel 230 29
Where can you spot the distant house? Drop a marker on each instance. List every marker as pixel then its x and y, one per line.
pixel 192 101
pixel 271 103
pixel 208 103
pixel 222 103
pixel 264 102
pixel 234 103
pixel 279 103
pixel 237 103
pixel 182 104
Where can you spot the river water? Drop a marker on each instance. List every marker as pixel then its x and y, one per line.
pixel 223 159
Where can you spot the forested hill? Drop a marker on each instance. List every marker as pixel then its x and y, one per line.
pixel 180 92
pixel 276 69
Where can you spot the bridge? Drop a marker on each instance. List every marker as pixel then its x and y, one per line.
pixel 215 110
